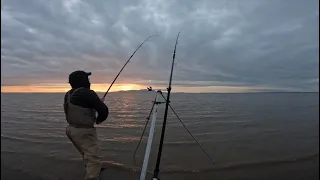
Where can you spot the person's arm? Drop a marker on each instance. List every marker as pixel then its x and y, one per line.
pixel 65 106
pixel 97 104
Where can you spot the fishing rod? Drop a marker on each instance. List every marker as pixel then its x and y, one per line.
pixel 156 170
pixel 126 64
pixel 153 111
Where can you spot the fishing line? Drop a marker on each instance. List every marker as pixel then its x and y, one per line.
pixel 126 64
pixel 189 131
pixel 144 129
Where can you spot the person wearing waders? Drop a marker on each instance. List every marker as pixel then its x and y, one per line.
pixel 80 107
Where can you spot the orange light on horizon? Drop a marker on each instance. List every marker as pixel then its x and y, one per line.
pixel 61 88
pixel 57 88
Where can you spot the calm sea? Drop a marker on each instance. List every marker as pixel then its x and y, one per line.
pixel 235 129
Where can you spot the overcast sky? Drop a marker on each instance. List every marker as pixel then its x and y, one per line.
pixel 244 43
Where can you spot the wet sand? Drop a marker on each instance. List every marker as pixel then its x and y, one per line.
pixel 309 171
pixel 37 168
pixel 10 173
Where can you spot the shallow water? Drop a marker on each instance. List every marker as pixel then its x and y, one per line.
pixel 237 130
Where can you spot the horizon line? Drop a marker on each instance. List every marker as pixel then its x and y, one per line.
pixel 142 90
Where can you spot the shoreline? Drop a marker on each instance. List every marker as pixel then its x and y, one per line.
pixel 8 173
pixel 303 171
pixel 18 166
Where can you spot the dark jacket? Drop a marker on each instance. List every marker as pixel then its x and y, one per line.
pixel 87 98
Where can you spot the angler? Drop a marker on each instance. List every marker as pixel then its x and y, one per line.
pixel 80 107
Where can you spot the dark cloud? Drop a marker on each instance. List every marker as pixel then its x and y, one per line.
pixel 253 43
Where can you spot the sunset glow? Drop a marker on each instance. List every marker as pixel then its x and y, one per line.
pixel 59 88
pixel 56 88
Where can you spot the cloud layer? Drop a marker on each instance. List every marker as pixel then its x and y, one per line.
pixel 249 43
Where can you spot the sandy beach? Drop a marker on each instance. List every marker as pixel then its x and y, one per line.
pixel 304 169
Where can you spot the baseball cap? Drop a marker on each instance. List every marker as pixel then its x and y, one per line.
pixel 79 76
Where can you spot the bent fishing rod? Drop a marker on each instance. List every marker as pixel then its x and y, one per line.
pixel 126 64
pixel 156 170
